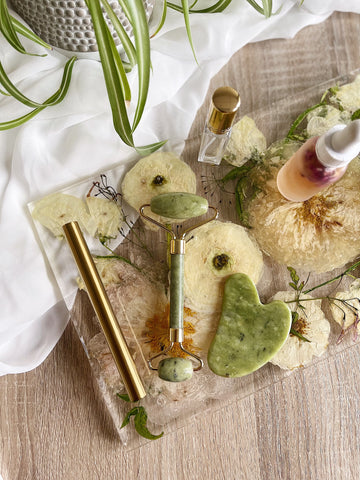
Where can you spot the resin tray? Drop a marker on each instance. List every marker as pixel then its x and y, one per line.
pixel 172 406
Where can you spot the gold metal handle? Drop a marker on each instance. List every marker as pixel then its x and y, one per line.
pixel 107 318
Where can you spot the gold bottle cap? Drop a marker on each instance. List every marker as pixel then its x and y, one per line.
pixel 225 104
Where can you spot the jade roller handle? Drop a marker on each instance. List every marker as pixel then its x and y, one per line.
pixel 177 250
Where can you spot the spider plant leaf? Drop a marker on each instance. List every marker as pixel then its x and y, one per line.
pixel 56 98
pixel 15 93
pixel 120 69
pixel 7 28
pixel 256 6
pixel 185 6
pixel 140 26
pixel 147 149
pixel 26 32
pixel 267 8
pixel 120 30
pixel 162 19
pixel 217 7
pixel 112 78
pixel 185 10
pixel 124 6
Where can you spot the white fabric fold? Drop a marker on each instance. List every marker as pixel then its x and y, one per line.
pixel 75 139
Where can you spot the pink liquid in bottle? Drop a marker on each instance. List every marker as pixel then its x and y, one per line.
pixel 320 162
pixel 303 176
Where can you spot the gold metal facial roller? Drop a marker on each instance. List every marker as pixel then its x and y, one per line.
pixel 185 206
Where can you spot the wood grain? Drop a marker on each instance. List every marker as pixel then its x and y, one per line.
pixel 52 421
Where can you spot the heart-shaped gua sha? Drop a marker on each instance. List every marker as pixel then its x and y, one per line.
pixel 249 333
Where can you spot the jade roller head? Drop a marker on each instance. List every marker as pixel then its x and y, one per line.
pixel 177 205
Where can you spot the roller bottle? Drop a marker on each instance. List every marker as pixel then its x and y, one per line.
pixel 319 162
pixel 224 105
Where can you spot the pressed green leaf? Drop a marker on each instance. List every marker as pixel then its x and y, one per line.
pixel 297 334
pixel 356 115
pixel 56 98
pixel 111 75
pixel 300 118
pixel 26 32
pixel 140 422
pixel 131 413
pixel 294 276
pixel 123 396
pixel 120 30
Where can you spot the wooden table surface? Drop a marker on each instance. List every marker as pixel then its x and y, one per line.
pixel 53 424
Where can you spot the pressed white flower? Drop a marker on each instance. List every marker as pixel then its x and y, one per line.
pixel 325 117
pixel 160 172
pixel 213 252
pixel 106 215
pixel 98 216
pixel 346 312
pixel 54 210
pixel 312 325
pixel 349 95
pixel 244 140
pixel 317 235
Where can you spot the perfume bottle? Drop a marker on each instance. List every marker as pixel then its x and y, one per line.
pixel 224 105
pixel 320 162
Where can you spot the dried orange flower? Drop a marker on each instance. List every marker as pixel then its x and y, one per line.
pixel 157 332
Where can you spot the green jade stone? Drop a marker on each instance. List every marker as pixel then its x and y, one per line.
pixel 177 291
pixel 179 205
pixel 249 333
pixel 175 369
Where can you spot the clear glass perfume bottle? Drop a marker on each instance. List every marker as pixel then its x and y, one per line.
pixel 320 162
pixel 225 103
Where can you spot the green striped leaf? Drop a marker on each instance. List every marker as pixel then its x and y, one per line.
pixel 162 19
pixel 147 149
pixel 265 10
pixel 120 30
pixel 120 70
pixel 26 32
pixel 185 6
pixel 113 81
pixel 7 28
pixel 217 7
pixel 56 98
pixel 140 26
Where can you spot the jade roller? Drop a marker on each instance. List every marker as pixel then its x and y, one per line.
pixel 174 206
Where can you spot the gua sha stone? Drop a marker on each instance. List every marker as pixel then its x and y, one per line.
pixel 249 333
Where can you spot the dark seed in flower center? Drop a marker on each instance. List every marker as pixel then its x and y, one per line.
pixel 158 180
pixel 220 261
